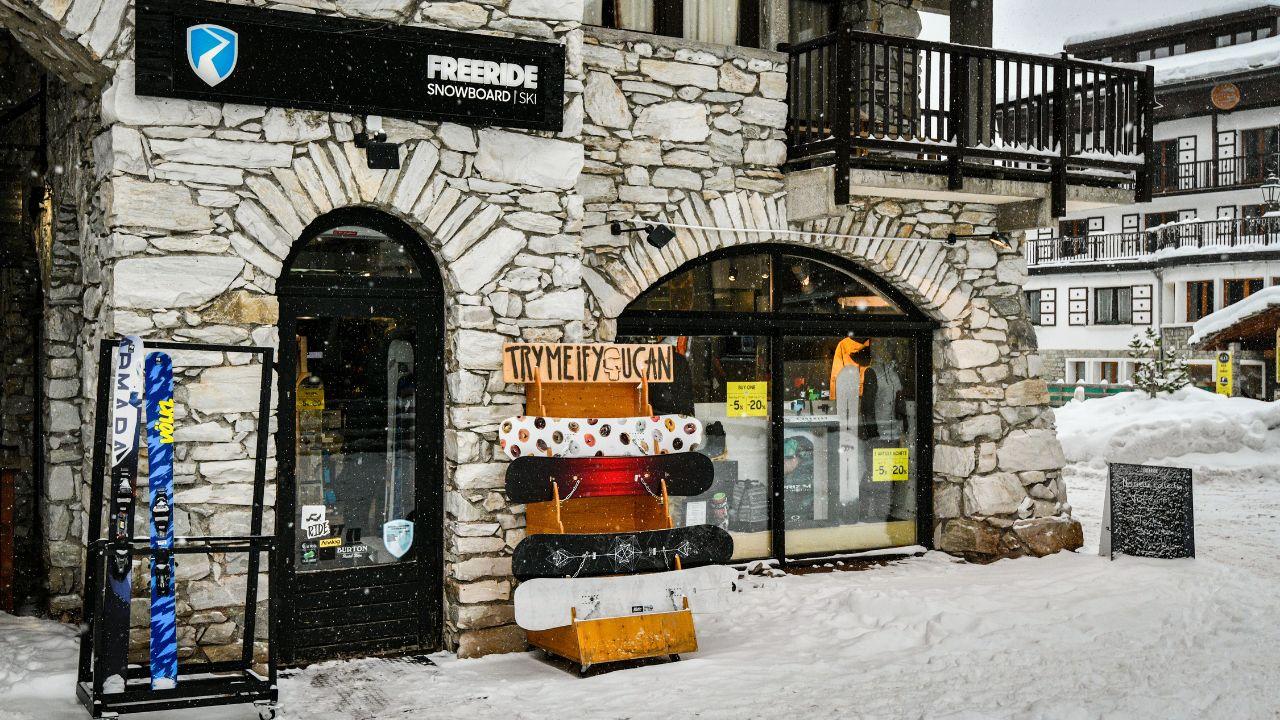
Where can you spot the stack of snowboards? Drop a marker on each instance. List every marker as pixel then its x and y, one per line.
pixel 573 459
pixel 130 396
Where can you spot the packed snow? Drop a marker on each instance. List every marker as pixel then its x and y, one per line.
pixel 1069 636
pixel 1216 322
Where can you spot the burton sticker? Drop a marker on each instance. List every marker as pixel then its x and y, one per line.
pixel 529 477
pixel 587 437
pixel 589 554
pixel 125 419
pixel 545 603
pixel 164 637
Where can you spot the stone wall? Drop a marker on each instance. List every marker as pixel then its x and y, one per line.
pixel 73 310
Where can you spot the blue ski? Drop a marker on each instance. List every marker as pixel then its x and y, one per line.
pixel 125 419
pixel 164 638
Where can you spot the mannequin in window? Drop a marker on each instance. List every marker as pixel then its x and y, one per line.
pixel 882 423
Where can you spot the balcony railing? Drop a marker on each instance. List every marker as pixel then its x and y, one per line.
pixel 1221 174
pixel 861 99
pixel 1180 238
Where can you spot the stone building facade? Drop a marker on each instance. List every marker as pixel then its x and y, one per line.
pixel 173 220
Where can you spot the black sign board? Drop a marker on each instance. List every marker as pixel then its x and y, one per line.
pixel 1149 512
pixel 198 50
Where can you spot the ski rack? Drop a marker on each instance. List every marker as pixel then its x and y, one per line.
pixel 609 639
pixel 207 684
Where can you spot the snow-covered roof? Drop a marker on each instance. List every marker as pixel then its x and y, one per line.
pixel 1218 62
pixel 1214 323
pixel 1157 21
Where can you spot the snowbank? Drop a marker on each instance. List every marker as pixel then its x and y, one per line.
pixel 37 666
pixel 1214 323
pixel 1217 436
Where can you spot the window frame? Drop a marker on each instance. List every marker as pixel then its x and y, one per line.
pixel 668 21
pixel 777 326
pixel 1202 292
pixel 1033 307
pixel 1118 316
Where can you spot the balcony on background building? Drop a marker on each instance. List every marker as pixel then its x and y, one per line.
pixel 1242 172
pixel 1188 239
pixel 968 123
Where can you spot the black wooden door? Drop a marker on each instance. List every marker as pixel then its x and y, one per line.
pixel 359 452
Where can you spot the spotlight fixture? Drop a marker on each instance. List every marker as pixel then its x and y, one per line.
pixel 656 235
pixel 999 239
pixel 378 153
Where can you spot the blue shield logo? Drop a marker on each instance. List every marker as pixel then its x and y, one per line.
pixel 397 537
pixel 212 51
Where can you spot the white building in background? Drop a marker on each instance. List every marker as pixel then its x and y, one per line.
pixel 1201 243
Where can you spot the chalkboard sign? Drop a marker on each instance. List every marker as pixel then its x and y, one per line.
pixel 1149 512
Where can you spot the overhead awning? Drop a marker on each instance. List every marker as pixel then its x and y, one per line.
pixel 1252 322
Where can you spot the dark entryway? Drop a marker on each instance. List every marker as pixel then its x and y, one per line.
pixel 361 407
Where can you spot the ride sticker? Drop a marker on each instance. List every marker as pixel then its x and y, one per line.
pixel 890 464
pixel 747 399
pixel 314 523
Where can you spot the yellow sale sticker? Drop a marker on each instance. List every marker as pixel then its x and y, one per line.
pixel 747 399
pixel 310 399
pixel 890 464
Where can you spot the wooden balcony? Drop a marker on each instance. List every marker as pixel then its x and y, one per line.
pixel 1180 239
pixel 1245 171
pixel 865 100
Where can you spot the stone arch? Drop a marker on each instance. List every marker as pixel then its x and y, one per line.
pixel 923 271
pixel 467 235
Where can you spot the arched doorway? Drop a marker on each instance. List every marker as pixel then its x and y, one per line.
pixel 360 440
pixel 814 379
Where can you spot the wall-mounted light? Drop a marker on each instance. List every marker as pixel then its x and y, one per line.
pixel 378 153
pixel 656 235
pixel 1271 192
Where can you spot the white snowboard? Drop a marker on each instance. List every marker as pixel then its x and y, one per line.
pixel 848 391
pixel 544 603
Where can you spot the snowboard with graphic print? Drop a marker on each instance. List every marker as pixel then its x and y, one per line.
pixel 529 477
pixel 587 437
pixel 590 554
pixel 160 427
pixel 126 417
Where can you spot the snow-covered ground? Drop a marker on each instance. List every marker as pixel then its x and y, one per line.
pixel 1070 636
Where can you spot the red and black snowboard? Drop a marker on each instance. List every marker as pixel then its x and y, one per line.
pixel 591 554
pixel 529 478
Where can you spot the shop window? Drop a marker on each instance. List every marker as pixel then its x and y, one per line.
pixel 1233 291
pixel 1033 305
pixel 1114 306
pixel 1201 375
pixel 1079 371
pixel 829 462
pixel 722 22
pixel 1109 372
pixel 352 252
pixel 1199 299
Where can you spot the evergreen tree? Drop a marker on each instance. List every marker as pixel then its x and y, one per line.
pixel 1158 370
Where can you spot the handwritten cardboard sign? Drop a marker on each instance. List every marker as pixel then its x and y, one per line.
pixel 586 362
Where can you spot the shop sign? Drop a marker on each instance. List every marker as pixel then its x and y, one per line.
pixel 1224 378
pixel 890 464
pixel 1148 512
pixel 1225 96
pixel 747 399
pixel 586 362
pixel 198 50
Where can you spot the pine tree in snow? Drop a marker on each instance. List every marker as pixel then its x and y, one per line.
pixel 1158 370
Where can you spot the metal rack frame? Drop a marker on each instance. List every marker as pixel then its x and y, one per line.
pixel 199 684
